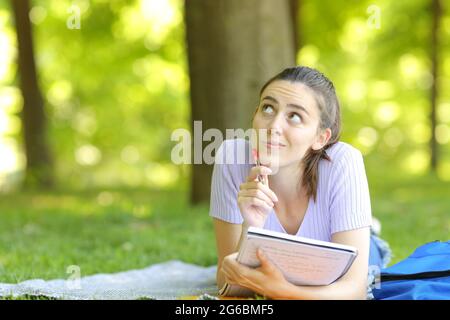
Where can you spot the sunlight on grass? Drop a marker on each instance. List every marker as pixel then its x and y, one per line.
pixel 46 201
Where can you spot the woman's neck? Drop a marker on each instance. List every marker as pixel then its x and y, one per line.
pixel 286 182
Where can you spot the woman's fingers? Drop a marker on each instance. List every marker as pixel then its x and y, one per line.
pixel 257 194
pixel 254 201
pixel 232 269
pixel 258 170
pixel 259 186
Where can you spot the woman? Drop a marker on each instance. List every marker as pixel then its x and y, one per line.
pixel 317 188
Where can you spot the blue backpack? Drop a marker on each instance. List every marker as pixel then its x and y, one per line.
pixel 424 275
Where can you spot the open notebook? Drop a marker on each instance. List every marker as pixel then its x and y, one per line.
pixel 303 261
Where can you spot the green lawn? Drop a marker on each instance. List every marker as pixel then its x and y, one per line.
pixel 412 212
pixel 41 234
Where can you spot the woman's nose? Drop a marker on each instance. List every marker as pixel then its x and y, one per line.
pixel 275 125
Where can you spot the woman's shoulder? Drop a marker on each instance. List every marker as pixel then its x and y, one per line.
pixel 343 152
pixel 346 162
pixel 343 157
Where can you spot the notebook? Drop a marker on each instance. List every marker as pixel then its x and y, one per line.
pixel 302 261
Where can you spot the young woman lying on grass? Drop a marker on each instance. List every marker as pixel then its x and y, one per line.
pixel 317 188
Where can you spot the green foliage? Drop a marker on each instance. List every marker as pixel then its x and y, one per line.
pixel 382 74
pixel 117 87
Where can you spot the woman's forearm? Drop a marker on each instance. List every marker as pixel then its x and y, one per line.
pixel 220 278
pixel 340 290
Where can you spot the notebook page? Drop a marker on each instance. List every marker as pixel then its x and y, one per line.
pixel 300 264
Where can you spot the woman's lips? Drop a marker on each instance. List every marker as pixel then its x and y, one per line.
pixel 272 144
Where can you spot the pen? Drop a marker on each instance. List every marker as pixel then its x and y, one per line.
pixel 261 178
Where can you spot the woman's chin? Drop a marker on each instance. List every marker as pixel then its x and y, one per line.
pixel 271 162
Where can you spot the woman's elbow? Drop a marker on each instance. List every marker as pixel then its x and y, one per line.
pixel 348 290
pixel 360 295
pixel 359 292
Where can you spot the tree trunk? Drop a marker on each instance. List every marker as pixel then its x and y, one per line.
pixel 233 48
pixel 38 169
pixel 295 12
pixel 436 15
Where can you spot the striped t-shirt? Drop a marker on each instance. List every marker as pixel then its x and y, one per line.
pixel 342 203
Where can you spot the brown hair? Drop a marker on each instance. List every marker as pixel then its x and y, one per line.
pixel 330 117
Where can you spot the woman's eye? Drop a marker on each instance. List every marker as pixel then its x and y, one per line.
pixel 267 108
pixel 295 117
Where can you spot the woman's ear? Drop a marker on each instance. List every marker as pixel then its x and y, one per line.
pixel 322 139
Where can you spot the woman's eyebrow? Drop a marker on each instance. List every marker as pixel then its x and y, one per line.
pixel 289 105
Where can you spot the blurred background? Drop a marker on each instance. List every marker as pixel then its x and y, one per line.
pixel 91 91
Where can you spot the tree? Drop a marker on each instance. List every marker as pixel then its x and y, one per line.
pixel 436 14
pixel 233 48
pixel 38 168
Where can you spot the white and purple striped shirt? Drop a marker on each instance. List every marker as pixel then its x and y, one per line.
pixel 343 200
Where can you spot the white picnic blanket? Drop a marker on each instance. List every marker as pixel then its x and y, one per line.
pixel 168 280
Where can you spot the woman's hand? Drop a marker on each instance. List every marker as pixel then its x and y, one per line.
pixel 266 280
pixel 255 199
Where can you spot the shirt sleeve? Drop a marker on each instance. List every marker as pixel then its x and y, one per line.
pixel 226 178
pixel 349 197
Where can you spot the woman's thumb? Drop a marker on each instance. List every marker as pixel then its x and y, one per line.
pixel 262 257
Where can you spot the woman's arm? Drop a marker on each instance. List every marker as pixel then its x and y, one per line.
pixel 353 285
pixel 228 238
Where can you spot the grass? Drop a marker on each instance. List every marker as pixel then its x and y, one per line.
pixel 42 233
pixel 412 212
